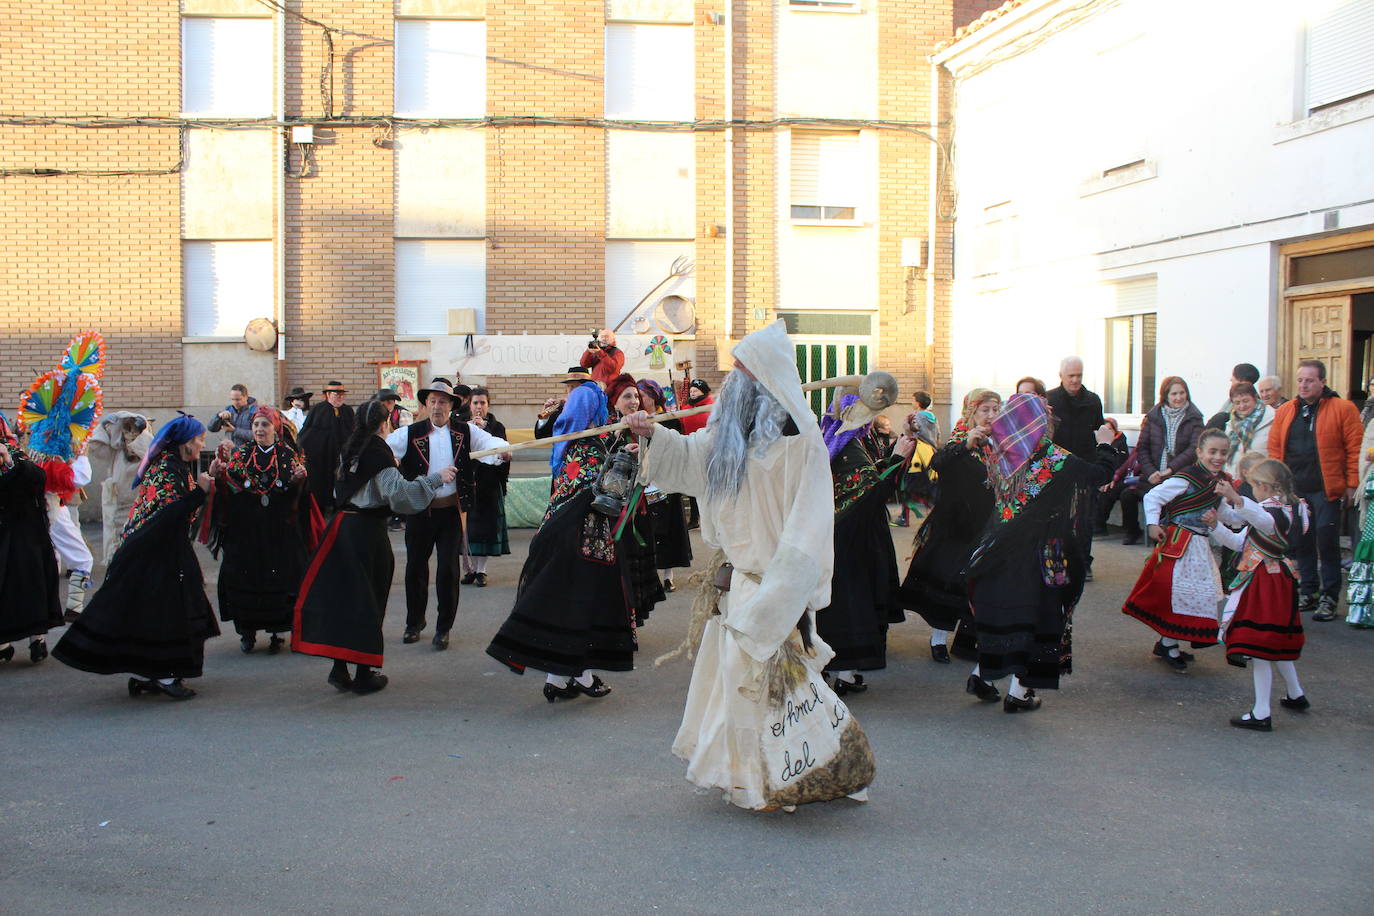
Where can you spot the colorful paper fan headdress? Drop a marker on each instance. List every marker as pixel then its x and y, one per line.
pixel 61 408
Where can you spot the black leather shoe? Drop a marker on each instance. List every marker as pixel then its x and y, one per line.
pixel 552 692
pixel 274 644
pixel 1163 652
pixel 1257 725
pixel 410 636
pixel 138 686
pixel 176 690
pixel 6 653
pixel 855 686
pixel 468 579
pixel 1131 538
pixel 1030 704
pixel 38 650
pixel 481 581
pixel 341 680
pixel 71 616
pixel 980 688
pixel 596 691
pixel 370 682
pixel 940 653
pixel 246 643
pixel 668 586
pixel 440 641
pixel 1298 704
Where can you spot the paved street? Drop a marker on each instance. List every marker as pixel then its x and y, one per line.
pixel 458 789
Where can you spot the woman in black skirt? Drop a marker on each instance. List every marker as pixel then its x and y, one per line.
pixel 486 532
pixel 257 524
pixel 863 586
pixel 151 618
pixel 342 600
pixel 934 586
pixel 29 604
pixel 589 580
pixel 672 543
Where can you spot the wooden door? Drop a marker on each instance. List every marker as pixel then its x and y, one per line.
pixel 1318 328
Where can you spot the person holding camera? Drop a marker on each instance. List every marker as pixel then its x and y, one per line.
pixel 603 358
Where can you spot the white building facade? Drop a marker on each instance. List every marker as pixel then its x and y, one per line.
pixel 1165 187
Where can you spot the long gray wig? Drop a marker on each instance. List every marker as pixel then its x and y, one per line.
pixel 746 419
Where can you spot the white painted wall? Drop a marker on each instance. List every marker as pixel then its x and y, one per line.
pixel 441 183
pixel 1209 95
pixel 226 186
pixel 650 184
pixel 827 63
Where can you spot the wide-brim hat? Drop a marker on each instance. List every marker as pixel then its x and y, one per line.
pixel 437 386
pixel 386 394
pixel 299 392
pixel 334 386
pixel 578 374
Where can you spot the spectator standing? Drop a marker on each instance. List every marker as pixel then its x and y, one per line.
pixel 1270 390
pixel 698 395
pixel 1247 425
pixel 1077 415
pixel 237 416
pixel 1241 372
pixel 327 427
pixel 603 357
pixel 297 406
pixel 1317 434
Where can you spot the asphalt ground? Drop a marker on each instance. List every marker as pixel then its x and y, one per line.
pixel 459 789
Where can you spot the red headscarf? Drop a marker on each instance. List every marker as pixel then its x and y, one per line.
pixel 616 386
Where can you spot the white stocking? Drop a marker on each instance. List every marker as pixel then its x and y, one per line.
pixel 1290 678
pixel 477 564
pixel 586 679
pixel 557 680
pixel 1016 688
pixel 939 637
pixel 1264 683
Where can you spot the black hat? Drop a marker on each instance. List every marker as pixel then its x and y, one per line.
pixel 299 392
pixel 334 386
pixel 386 394
pixel 700 383
pixel 578 374
pixel 437 386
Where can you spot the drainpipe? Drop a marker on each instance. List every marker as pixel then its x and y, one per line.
pixel 729 169
pixel 933 225
pixel 279 179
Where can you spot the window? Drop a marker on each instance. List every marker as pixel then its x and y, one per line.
pixel 1340 53
pixel 843 6
pixel 1332 266
pixel 997 242
pixel 828 175
pixel 441 183
pixel 226 67
pixel 225 285
pixel 441 68
pixel 651 184
pixel 633 269
pixel 1130 379
pixel 435 275
pixel 650 72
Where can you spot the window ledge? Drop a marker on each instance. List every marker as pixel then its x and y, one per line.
pixel 1142 172
pixel 831 223
pixel 210 339
pixel 847 10
pixel 1335 116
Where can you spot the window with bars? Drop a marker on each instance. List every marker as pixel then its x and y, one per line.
pixel 828 175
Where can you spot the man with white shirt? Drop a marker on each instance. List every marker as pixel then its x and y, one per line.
pixel 434 441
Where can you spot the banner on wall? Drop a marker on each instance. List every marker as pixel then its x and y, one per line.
pixel 538 354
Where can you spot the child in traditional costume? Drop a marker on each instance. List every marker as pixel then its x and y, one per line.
pixel 1260 620
pixel 1179 589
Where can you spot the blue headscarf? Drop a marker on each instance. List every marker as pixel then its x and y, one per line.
pixel 585 408
pixel 175 433
pixel 836 439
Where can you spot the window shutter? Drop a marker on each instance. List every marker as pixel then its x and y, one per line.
pixel 441 68
pixel 226 67
pixel 435 275
pixel 1131 297
pixel 826 168
pixel 634 268
pixel 225 285
pixel 1340 54
pixel 650 72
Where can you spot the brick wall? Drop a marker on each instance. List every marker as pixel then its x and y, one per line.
pixel 965 11
pixel 85 251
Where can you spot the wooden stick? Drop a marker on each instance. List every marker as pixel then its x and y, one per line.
pixel 840 381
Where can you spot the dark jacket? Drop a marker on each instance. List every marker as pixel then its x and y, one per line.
pixel 1150 444
pixel 415 462
pixel 1078 418
pixel 241 426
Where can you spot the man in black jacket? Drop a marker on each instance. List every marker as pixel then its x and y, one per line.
pixel 1077 417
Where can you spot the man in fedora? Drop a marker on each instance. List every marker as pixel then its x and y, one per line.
pixel 435 441
pixel 297 405
pixel 326 428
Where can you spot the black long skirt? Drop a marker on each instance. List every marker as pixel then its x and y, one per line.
pixel 863 588
pixel 262 563
pixel 572 609
pixel 150 617
pixel 487 533
pixel 672 544
pixel 29 604
pixel 1024 627
pixel 342 600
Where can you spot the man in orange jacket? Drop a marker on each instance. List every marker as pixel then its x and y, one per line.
pixel 1317 434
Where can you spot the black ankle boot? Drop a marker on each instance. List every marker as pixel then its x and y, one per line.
pixel 339 677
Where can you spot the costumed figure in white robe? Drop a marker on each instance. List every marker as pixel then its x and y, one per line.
pixel 760 723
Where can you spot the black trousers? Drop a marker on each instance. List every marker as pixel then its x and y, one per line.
pixel 431 530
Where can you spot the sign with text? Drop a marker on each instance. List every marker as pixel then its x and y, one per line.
pixel 529 354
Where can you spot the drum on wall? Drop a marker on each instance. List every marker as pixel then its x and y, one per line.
pixel 260 334
pixel 676 315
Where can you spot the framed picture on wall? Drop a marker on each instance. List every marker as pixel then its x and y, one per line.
pixel 402 378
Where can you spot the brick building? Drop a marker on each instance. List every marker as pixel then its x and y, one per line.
pixel 353 171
